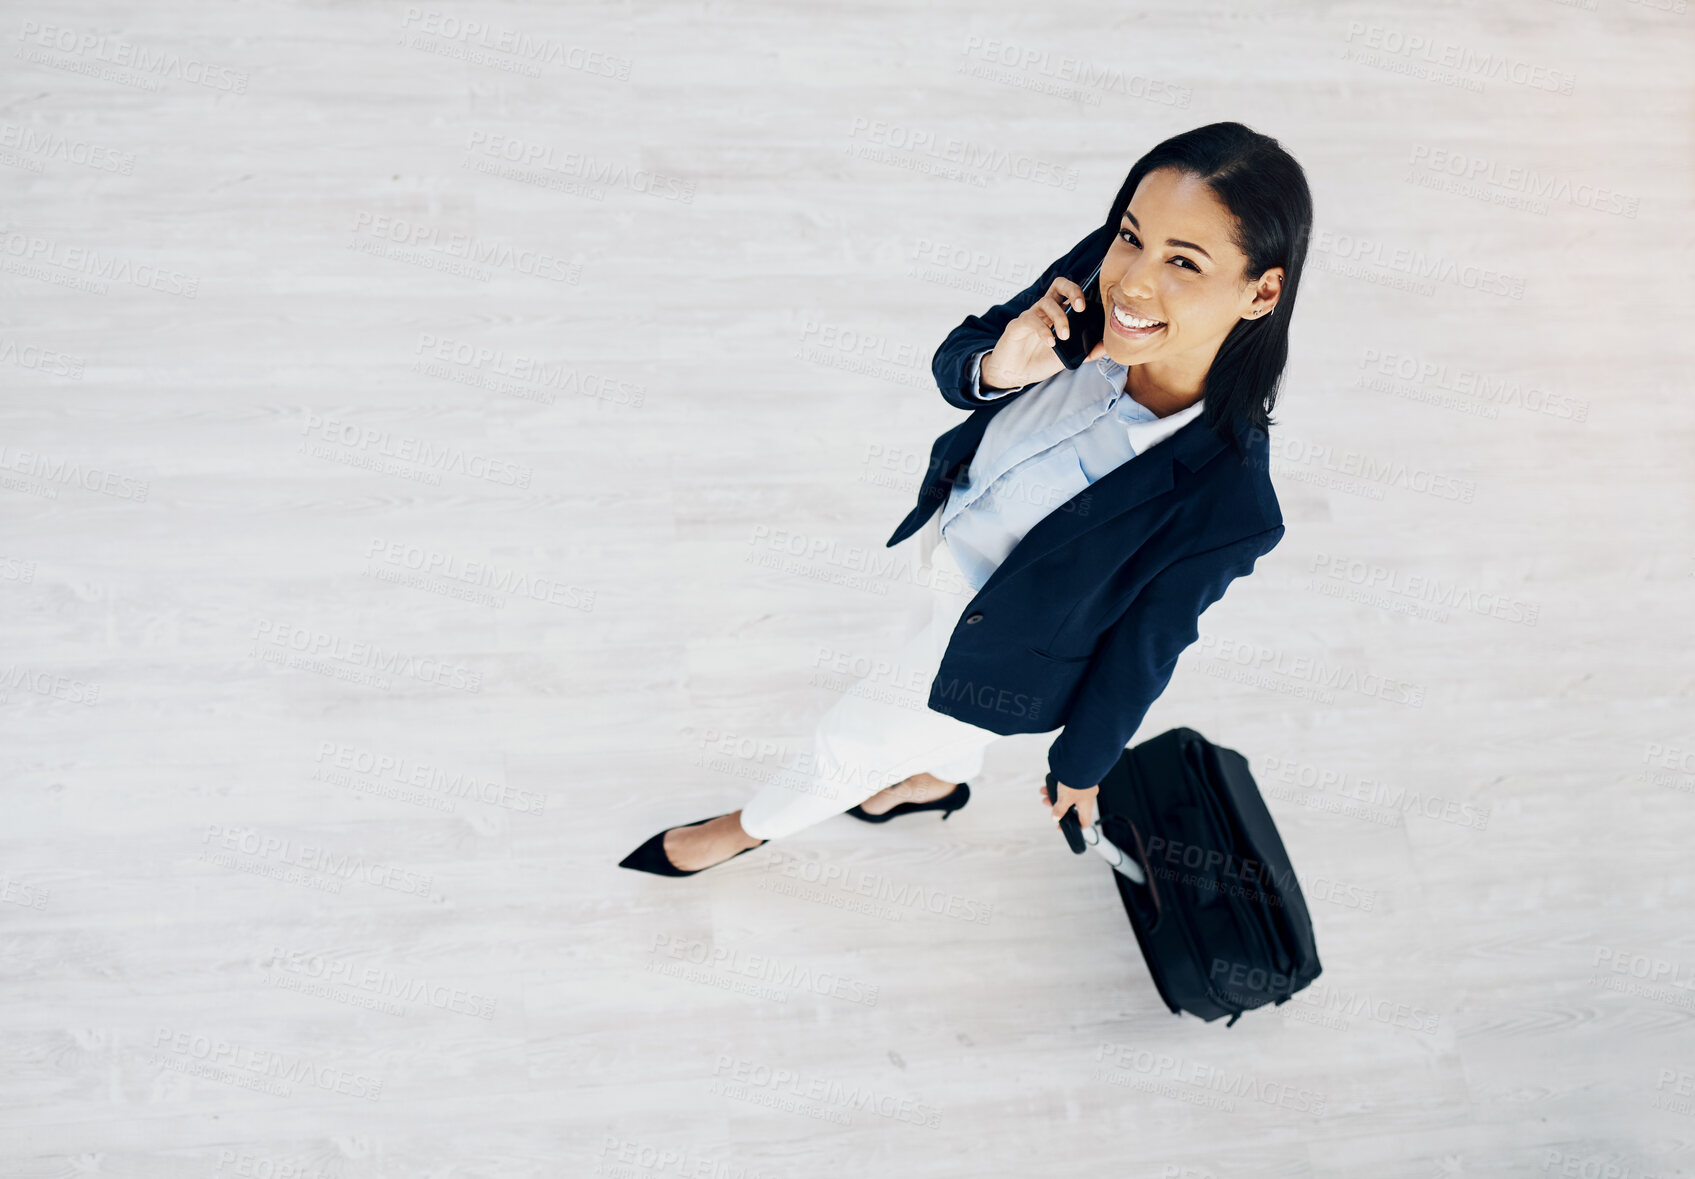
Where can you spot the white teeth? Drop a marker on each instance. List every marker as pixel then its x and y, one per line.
pixel 1132 321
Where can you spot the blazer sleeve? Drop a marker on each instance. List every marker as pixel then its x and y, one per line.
pixel 1132 667
pixel 953 363
pixel 977 392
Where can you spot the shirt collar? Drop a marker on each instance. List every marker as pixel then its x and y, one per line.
pixel 1143 427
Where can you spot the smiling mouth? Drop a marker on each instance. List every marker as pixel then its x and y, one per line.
pixel 1136 325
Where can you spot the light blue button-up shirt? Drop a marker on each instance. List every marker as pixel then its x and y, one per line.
pixel 1060 436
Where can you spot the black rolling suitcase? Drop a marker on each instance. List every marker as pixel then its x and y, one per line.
pixel 1203 876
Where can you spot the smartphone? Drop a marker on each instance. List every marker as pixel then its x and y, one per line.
pixel 1087 326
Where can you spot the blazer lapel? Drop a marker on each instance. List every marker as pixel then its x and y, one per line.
pixel 1116 492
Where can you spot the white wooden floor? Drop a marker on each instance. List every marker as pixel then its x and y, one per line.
pixel 442 446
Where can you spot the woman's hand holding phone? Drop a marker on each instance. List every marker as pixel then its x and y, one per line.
pixel 1024 354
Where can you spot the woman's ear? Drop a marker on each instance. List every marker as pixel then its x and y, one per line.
pixel 1266 293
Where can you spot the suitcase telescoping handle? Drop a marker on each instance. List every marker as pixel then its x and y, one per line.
pixel 1081 839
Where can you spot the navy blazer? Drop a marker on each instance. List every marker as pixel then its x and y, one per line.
pixel 1082 624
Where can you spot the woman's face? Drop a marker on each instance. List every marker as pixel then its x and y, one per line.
pixel 1173 261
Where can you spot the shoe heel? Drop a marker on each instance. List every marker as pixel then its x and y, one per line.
pixel 958 799
pixel 947 804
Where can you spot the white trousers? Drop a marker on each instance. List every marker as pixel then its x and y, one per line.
pixel 882 731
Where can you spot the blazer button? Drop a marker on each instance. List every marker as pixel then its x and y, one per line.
pixel 970 618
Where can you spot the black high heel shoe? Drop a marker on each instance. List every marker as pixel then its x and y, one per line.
pixel 947 804
pixel 651 857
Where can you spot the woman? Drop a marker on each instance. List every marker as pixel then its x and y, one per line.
pixel 1087 516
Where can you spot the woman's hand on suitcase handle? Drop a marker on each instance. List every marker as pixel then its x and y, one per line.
pixel 1083 800
pixel 1024 354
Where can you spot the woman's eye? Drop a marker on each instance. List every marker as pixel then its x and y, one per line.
pixel 1126 235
